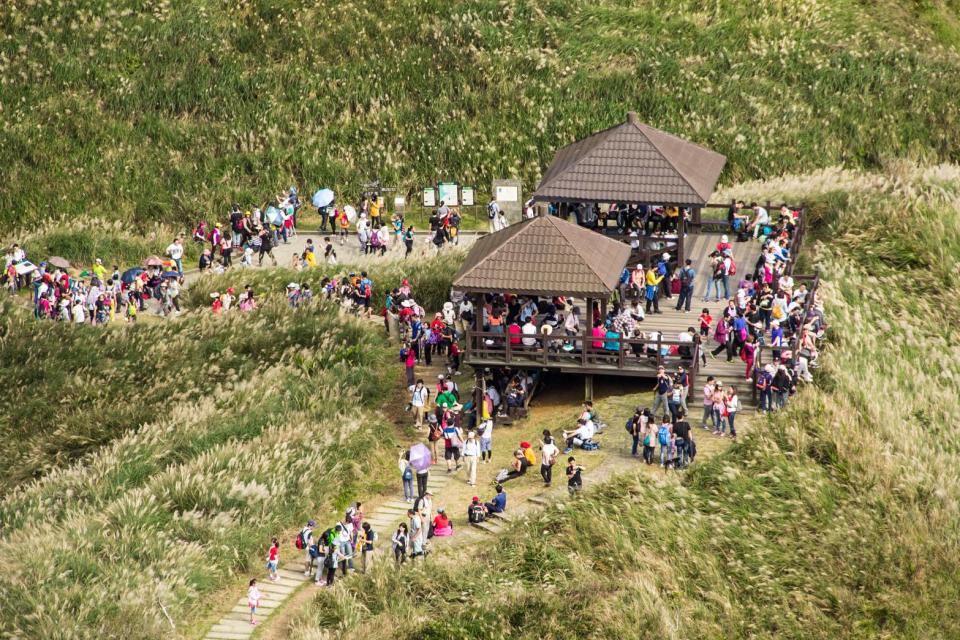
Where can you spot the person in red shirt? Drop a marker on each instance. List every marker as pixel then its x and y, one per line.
pixel 273 558
pixel 705 321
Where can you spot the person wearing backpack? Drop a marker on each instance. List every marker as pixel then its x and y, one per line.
pixel 548 457
pixel 649 438
pixel 330 561
pixel 303 541
pixel 476 512
pixel 406 476
pixel 663 438
pixel 687 276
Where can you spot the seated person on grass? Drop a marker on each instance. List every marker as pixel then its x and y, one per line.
pixel 518 467
pixel 499 502
pixel 583 433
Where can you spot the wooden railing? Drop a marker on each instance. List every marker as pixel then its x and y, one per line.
pixel 630 353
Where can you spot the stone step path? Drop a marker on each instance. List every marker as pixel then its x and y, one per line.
pixel 235 624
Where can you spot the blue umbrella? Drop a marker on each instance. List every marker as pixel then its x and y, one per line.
pixel 129 275
pixel 323 198
pixel 274 216
pixel 169 275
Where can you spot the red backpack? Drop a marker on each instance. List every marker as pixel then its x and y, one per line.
pixel 733 268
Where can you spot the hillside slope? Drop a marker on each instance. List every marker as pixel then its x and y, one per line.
pixel 838 519
pixel 117 110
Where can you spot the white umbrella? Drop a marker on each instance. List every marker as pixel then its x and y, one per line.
pixel 351 213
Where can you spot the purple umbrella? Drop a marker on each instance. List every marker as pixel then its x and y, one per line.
pixel 420 458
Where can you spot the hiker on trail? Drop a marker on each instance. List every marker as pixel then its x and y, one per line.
pixel 344 547
pixel 649 437
pixel 663 390
pixel 273 558
pixel 442 527
pixel 417 535
pixel 723 336
pixel 548 457
pixel 406 476
pixel 266 246
pixel 419 398
pixel 681 432
pixel 719 409
pixel 175 251
pixel 452 441
pixel 485 430
pixel 636 425
pixel 399 540
pixel 574 476
pixel 253 600
pixel 365 540
pixel 732 406
pixel 424 506
pixel 499 502
pixel 304 540
pixel 471 455
pixel 663 438
pixel 330 561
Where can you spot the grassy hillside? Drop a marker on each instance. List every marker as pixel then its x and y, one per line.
pixel 837 520
pixel 200 438
pixel 117 110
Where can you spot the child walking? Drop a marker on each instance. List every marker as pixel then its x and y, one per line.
pixel 253 600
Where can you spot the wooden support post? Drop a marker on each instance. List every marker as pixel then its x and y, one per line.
pixel 587 331
pixel 681 228
pixel 588 388
pixel 697 220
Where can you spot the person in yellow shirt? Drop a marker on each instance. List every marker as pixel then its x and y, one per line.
pixel 310 258
pixel 99 270
pixel 375 211
pixel 652 289
pixel 673 216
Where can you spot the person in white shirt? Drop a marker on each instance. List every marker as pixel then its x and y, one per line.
pixel 583 433
pixel 175 251
pixel 418 401
pixel 571 324
pixel 761 218
pixel 493 213
pixel 529 330
pixel 548 457
pixel 471 454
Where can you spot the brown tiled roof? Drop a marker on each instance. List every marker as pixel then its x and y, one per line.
pixel 633 163
pixel 545 256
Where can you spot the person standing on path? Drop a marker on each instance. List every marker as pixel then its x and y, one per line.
pixel 175 251
pixel 409 362
pixel 423 475
pixel 471 454
pixel 330 562
pixel 416 534
pixel 273 559
pixel 548 457
pixel 406 475
pixel 266 247
pixel 574 477
pixel 305 539
pixel 663 389
pixel 399 541
pixel 418 401
pixel 253 600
